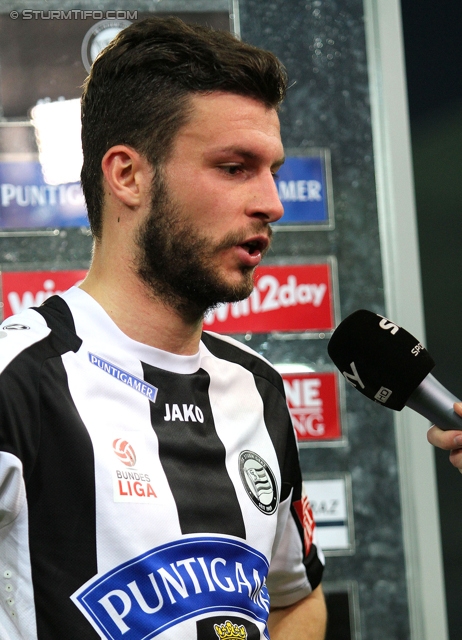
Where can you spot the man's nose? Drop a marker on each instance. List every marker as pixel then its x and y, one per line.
pixel 266 203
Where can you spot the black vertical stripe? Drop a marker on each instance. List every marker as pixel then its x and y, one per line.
pixel 192 455
pixel 62 511
pixel 46 433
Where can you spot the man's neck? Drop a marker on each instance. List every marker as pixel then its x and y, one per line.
pixel 142 316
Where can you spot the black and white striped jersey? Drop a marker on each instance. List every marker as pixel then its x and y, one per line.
pixel 143 494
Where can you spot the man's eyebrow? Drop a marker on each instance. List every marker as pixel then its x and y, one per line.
pixel 278 164
pixel 245 153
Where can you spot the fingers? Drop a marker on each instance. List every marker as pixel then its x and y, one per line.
pixel 447 440
pixel 458 408
pixel 455 458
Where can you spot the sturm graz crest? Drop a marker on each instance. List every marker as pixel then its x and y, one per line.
pixel 259 481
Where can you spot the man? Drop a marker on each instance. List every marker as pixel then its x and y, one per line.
pixel 150 484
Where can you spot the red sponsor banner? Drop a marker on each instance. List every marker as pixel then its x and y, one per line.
pixel 313 401
pixel 24 289
pixel 285 298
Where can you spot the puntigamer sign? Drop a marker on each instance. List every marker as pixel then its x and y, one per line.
pixel 27 201
pixel 304 187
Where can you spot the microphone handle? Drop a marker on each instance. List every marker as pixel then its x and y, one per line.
pixel 435 402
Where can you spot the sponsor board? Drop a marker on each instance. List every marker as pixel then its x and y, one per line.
pixel 313 401
pixel 285 298
pixel 27 201
pixel 304 187
pixel 24 289
pixel 330 500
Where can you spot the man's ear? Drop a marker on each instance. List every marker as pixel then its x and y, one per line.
pixel 126 174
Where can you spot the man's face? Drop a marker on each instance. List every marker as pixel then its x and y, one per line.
pixel 212 205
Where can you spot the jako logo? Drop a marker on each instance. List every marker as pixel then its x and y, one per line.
pixel 190 412
pixel 125 452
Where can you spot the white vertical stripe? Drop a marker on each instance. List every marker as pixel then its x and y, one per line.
pixel 112 410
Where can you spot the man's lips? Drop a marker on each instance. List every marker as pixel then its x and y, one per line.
pixel 252 250
pixel 249 248
pixel 256 245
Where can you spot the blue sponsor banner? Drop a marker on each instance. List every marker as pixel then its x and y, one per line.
pixel 132 381
pixel 175 582
pixel 303 188
pixel 27 201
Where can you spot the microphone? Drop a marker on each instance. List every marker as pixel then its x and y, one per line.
pixel 388 365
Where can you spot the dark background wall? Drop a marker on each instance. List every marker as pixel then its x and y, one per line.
pixel 433 49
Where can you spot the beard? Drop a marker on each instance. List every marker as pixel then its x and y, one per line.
pixel 178 265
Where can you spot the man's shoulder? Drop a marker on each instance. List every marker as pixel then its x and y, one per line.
pixel 19 332
pixel 59 319
pixel 44 330
pixel 230 349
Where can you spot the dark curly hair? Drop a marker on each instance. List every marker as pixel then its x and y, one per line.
pixel 139 89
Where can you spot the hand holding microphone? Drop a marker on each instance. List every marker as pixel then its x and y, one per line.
pixel 448 440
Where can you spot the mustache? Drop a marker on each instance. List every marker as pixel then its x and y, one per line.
pixel 234 238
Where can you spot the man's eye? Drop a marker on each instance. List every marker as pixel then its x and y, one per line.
pixel 231 169
pixel 276 177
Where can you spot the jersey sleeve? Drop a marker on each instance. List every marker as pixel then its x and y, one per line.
pixel 297 563
pixel 19 380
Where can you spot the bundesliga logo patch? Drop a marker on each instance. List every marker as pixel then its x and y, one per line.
pixel 131 479
pixel 124 452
